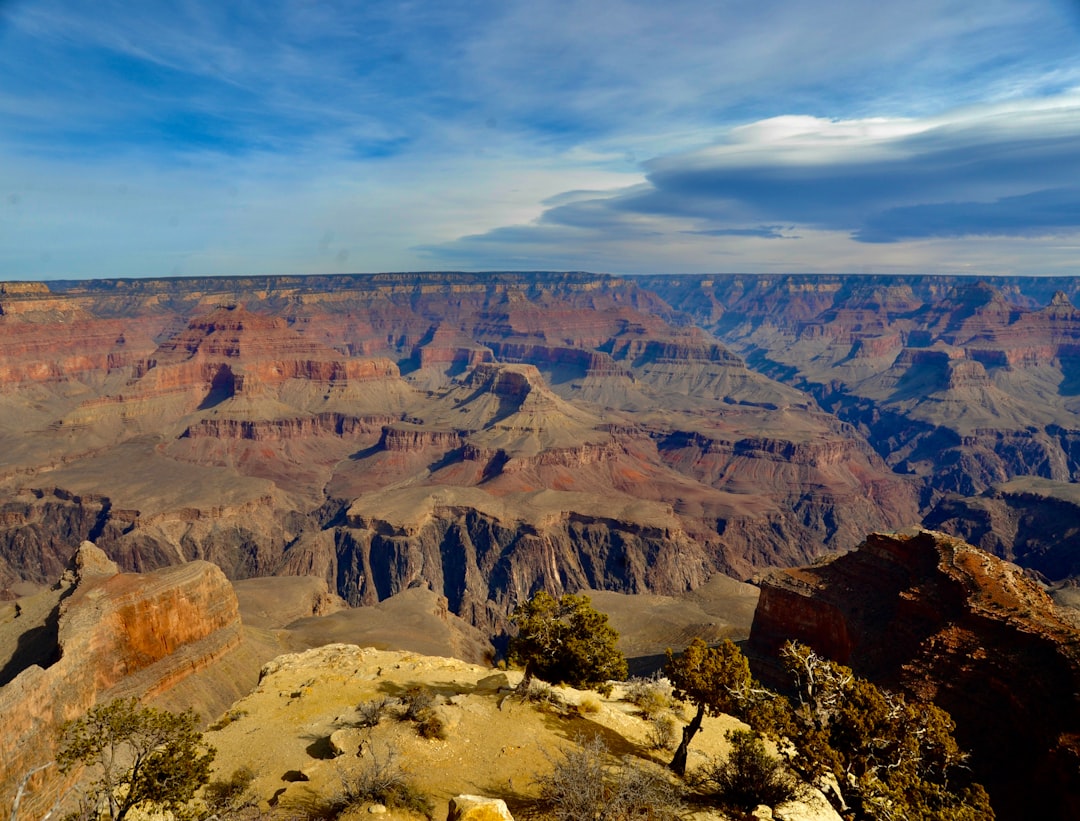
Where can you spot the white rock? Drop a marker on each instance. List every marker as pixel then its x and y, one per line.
pixel 478 808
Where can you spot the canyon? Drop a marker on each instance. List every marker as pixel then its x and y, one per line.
pixel 401 459
pixel 485 435
pixel 479 435
pixel 967 385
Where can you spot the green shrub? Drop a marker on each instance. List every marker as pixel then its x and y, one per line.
pixel 749 775
pixel 566 641
pixel 138 758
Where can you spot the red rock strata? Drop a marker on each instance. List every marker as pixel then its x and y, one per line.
pixel 284 401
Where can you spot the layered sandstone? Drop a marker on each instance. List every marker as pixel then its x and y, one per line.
pixel 1032 522
pixel 948 622
pixel 108 635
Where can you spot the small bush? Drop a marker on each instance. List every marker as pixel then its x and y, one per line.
pixel 584 784
pixel 432 726
pixel 420 708
pixel 589 705
pixel 370 713
pixel 750 775
pixel 664 732
pixel 418 701
pixel 228 718
pixel 535 691
pixel 380 780
pixel 229 796
pixel 652 696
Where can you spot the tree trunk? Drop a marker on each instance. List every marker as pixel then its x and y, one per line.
pixel 678 763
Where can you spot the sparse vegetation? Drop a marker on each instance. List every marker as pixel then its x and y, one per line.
pixel 380 780
pixel 540 693
pixel 664 732
pixel 585 784
pixel 370 713
pixel 228 718
pixel 566 641
pixel 589 705
pixel 749 775
pixel 139 757
pixel 231 796
pixel 652 696
pixel 420 708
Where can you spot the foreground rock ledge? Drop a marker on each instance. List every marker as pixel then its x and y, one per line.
pixel 927 613
pixel 478 808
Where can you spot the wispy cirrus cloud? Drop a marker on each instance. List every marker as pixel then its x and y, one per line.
pixel 199 137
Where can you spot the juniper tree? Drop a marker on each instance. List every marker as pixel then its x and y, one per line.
pixel 140 757
pixel 566 641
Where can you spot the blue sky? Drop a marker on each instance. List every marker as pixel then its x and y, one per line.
pixel 193 138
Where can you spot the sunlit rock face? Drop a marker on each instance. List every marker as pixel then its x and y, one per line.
pixel 99 635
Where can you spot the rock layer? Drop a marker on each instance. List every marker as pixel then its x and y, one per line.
pixel 239 419
pixel 981 373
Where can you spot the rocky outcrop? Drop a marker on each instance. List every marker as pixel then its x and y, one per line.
pixel 484 565
pixel 272 430
pixel 945 621
pixel 39 526
pixel 109 635
pixel 412 439
pixel 588 363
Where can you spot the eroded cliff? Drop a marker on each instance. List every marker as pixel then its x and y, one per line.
pixel 247 416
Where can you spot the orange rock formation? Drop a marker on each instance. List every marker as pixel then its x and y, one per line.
pixel 110 635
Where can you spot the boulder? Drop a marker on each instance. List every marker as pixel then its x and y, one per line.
pixel 478 808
